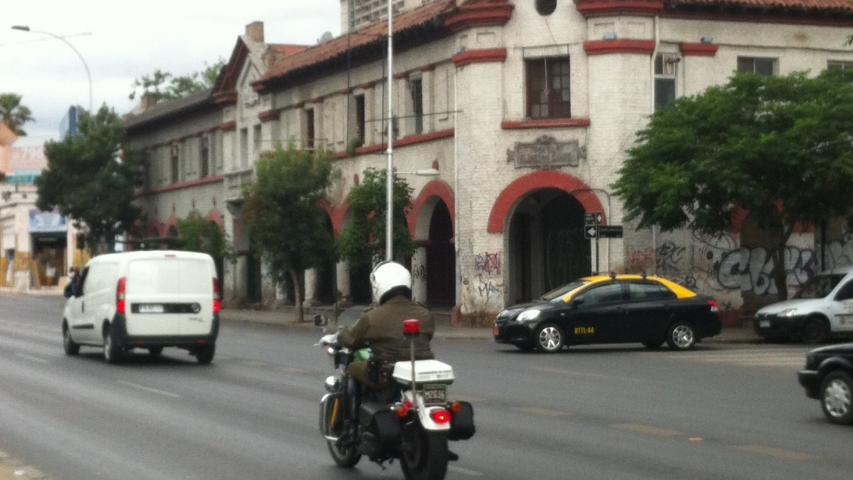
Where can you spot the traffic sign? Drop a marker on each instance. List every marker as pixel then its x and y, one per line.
pixel 592 218
pixel 590 231
pixel 610 231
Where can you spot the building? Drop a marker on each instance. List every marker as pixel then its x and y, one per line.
pixel 526 108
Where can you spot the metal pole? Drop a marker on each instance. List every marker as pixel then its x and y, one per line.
pixel 389 165
pixel 63 40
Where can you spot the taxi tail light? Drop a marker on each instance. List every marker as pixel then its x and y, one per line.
pixel 713 305
pixel 216 303
pixel 440 416
pixel 120 295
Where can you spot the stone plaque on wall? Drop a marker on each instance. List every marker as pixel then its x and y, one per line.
pixel 545 152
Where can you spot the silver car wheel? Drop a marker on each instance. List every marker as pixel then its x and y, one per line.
pixel 836 398
pixel 682 336
pixel 550 338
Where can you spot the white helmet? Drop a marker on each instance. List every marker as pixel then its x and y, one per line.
pixel 387 276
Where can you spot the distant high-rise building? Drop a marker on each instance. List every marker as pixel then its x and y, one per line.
pixel 356 14
pixel 69 124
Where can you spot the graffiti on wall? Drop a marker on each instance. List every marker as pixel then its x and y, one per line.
pixel 488 264
pixel 419 272
pixel 751 269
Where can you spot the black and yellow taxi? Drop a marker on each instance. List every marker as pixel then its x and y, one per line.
pixel 610 309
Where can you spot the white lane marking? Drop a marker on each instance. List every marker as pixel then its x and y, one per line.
pixel 30 357
pixel 149 389
pixel 465 471
pixel 647 429
pixel 561 371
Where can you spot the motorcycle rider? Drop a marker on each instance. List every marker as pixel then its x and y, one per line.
pixel 381 328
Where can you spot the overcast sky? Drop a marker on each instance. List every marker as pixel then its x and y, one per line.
pixel 124 40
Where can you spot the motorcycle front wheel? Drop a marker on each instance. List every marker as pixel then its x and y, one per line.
pixel 344 457
pixel 424 455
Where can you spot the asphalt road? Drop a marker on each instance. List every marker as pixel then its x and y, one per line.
pixel 611 412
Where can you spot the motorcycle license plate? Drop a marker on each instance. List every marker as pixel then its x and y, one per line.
pixel 435 393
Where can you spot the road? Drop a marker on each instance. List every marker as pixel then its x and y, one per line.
pixel 611 412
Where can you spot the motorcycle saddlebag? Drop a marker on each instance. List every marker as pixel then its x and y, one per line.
pixel 379 418
pixel 462 423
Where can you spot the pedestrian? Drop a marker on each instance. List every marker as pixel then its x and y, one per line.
pixel 71 287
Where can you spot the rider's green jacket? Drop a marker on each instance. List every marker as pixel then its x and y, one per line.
pixel 381 328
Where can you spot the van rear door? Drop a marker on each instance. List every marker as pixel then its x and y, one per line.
pixel 170 295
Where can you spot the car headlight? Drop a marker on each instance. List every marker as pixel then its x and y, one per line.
pixel 788 312
pixel 528 315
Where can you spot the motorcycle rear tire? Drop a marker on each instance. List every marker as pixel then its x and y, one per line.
pixel 425 455
pixel 344 457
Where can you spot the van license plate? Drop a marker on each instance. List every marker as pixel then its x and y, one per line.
pixel 435 393
pixel 151 309
pixel 764 323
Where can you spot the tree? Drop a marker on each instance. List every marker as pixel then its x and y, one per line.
pixel 13 114
pixel 285 221
pixel 161 85
pixel 198 234
pixel 362 242
pixel 780 148
pixel 88 179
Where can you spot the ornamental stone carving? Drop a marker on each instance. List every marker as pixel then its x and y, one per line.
pixel 545 152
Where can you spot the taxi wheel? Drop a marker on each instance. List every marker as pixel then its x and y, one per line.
pixel 681 336
pixel 549 338
pixel 835 397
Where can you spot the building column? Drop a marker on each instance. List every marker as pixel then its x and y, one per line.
pixel 310 287
pixel 343 285
pixel 419 274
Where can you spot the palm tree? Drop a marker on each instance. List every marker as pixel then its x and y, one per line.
pixel 13 114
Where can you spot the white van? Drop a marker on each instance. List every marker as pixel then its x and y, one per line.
pixel 148 299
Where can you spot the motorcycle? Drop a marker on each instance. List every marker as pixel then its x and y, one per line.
pixel 409 419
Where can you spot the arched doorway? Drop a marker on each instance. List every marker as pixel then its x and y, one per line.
pixel 545 244
pixel 441 258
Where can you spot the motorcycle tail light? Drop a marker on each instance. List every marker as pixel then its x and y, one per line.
pixel 411 326
pixel 455 407
pixel 440 416
pixel 404 409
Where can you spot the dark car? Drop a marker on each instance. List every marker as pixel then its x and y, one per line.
pixel 828 377
pixel 610 309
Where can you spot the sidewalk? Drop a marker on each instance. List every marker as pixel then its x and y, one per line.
pixel 444 330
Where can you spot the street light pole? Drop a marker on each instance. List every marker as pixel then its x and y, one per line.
pixel 389 166
pixel 25 28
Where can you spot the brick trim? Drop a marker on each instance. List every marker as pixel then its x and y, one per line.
pixel 216 217
pixel 407 141
pixel 228 126
pixel 516 190
pixel 590 8
pixel 435 188
pixel 493 55
pixel 225 98
pixel 544 123
pixel 604 47
pixel 479 15
pixel 269 115
pixel 699 49
pixel 757 16
pixel 181 186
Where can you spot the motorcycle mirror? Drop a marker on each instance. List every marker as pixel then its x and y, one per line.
pixel 320 320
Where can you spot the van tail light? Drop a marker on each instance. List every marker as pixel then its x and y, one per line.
pixel 120 289
pixel 216 304
pixel 713 305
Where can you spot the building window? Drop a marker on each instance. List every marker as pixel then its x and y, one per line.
pixel 244 148
pixel 257 141
pixel 175 162
pixel 417 91
pixel 359 118
pixel 546 7
pixel 204 157
pixel 761 66
pixel 309 129
pixel 548 82
pixel 839 65
pixel 666 66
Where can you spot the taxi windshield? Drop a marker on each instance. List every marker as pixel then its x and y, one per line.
pixel 819 286
pixel 556 294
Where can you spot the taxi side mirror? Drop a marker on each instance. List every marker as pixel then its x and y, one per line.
pixel 577 302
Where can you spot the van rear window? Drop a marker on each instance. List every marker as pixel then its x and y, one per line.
pixel 169 275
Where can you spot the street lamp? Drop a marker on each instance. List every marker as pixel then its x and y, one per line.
pixel 389 166
pixel 25 28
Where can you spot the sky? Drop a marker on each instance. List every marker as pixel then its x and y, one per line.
pixel 122 40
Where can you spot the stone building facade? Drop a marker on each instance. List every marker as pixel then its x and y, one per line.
pixel 526 109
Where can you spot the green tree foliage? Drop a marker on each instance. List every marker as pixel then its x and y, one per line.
pixel 88 181
pixel 198 234
pixel 362 242
pixel 162 85
pixel 13 114
pixel 285 222
pixel 779 147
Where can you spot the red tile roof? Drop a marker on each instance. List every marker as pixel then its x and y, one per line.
pixel 373 34
pixel 287 49
pixel 841 6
